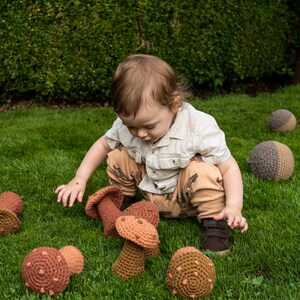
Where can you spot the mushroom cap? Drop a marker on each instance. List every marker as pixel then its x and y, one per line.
pixel 115 193
pixel 282 120
pixel 74 259
pixel 11 201
pixel 144 209
pixel 44 270
pixel 191 273
pixel 271 160
pixel 138 231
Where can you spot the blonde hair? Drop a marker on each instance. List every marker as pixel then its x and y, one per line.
pixel 141 78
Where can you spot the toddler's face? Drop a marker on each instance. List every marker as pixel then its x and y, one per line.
pixel 151 122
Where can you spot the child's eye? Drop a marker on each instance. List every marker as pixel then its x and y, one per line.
pixel 150 127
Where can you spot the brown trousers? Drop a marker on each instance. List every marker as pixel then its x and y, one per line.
pixel 199 190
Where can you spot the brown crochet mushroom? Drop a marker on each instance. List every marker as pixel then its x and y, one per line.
pixel 11 205
pixel 105 204
pixel 139 235
pixel 48 270
pixel 191 274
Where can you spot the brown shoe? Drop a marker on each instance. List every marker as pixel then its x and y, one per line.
pixel 216 236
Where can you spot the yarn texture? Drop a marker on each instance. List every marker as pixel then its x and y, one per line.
pixel 282 120
pixel 271 160
pixel 191 274
pixel 46 270
pixel 11 205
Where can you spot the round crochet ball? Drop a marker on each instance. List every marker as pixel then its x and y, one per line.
pixel 271 160
pixel 282 120
pixel 191 274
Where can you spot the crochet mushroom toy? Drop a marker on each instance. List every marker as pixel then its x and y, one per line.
pixel 191 274
pixel 271 160
pixel 282 120
pixel 46 270
pixel 105 204
pixel 11 205
pixel 139 235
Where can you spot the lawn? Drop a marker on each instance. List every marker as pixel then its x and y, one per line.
pixel 40 148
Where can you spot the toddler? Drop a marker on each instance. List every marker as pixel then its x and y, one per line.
pixel 162 146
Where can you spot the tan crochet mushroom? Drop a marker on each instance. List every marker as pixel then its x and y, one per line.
pixel 11 205
pixel 139 235
pixel 46 270
pixel 191 274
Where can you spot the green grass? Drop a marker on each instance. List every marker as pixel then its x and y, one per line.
pixel 41 148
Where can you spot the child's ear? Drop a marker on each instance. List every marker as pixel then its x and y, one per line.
pixel 176 103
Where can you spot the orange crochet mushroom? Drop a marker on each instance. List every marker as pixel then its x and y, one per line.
pixel 139 235
pixel 46 270
pixel 11 205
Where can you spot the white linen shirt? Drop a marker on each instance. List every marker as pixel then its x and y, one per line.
pixel 192 132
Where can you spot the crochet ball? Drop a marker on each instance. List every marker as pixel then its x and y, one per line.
pixel 191 274
pixel 271 160
pixel 282 120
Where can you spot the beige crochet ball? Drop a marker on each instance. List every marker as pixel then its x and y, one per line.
pixel 271 160
pixel 191 274
pixel 282 120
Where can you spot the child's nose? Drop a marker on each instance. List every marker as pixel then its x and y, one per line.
pixel 142 133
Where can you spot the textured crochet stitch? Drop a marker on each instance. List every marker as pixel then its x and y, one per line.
pixel 11 205
pixel 271 160
pixel 282 120
pixel 191 274
pixel 46 270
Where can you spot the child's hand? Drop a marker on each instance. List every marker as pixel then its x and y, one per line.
pixel 72 191
pixel 234 218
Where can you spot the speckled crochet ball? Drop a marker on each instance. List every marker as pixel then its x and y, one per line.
pixel 271 160
pixel 282 120
pixel 191 274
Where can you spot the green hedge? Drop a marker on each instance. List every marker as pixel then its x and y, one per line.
pixel 69 49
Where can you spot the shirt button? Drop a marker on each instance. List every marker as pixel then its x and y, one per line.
pixel 173 161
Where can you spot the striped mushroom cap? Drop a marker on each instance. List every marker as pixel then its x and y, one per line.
pixel 11 205
pixel 282 120
pixel 271 160
pixel 191 274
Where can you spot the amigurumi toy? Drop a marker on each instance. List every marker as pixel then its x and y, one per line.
pixel 140 235
pixel 271 160
pixel 105 204
pixel 191 274
pixel 48 270
pixel 11 205
pixel 282 120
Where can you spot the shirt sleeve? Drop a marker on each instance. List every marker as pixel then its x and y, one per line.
pixel 112 136
pixel 212 146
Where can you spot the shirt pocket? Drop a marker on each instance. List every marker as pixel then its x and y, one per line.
pixel 173 161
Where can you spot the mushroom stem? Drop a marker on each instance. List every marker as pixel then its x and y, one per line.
pixel 131 260
pixel 73 258
pixel 108 212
